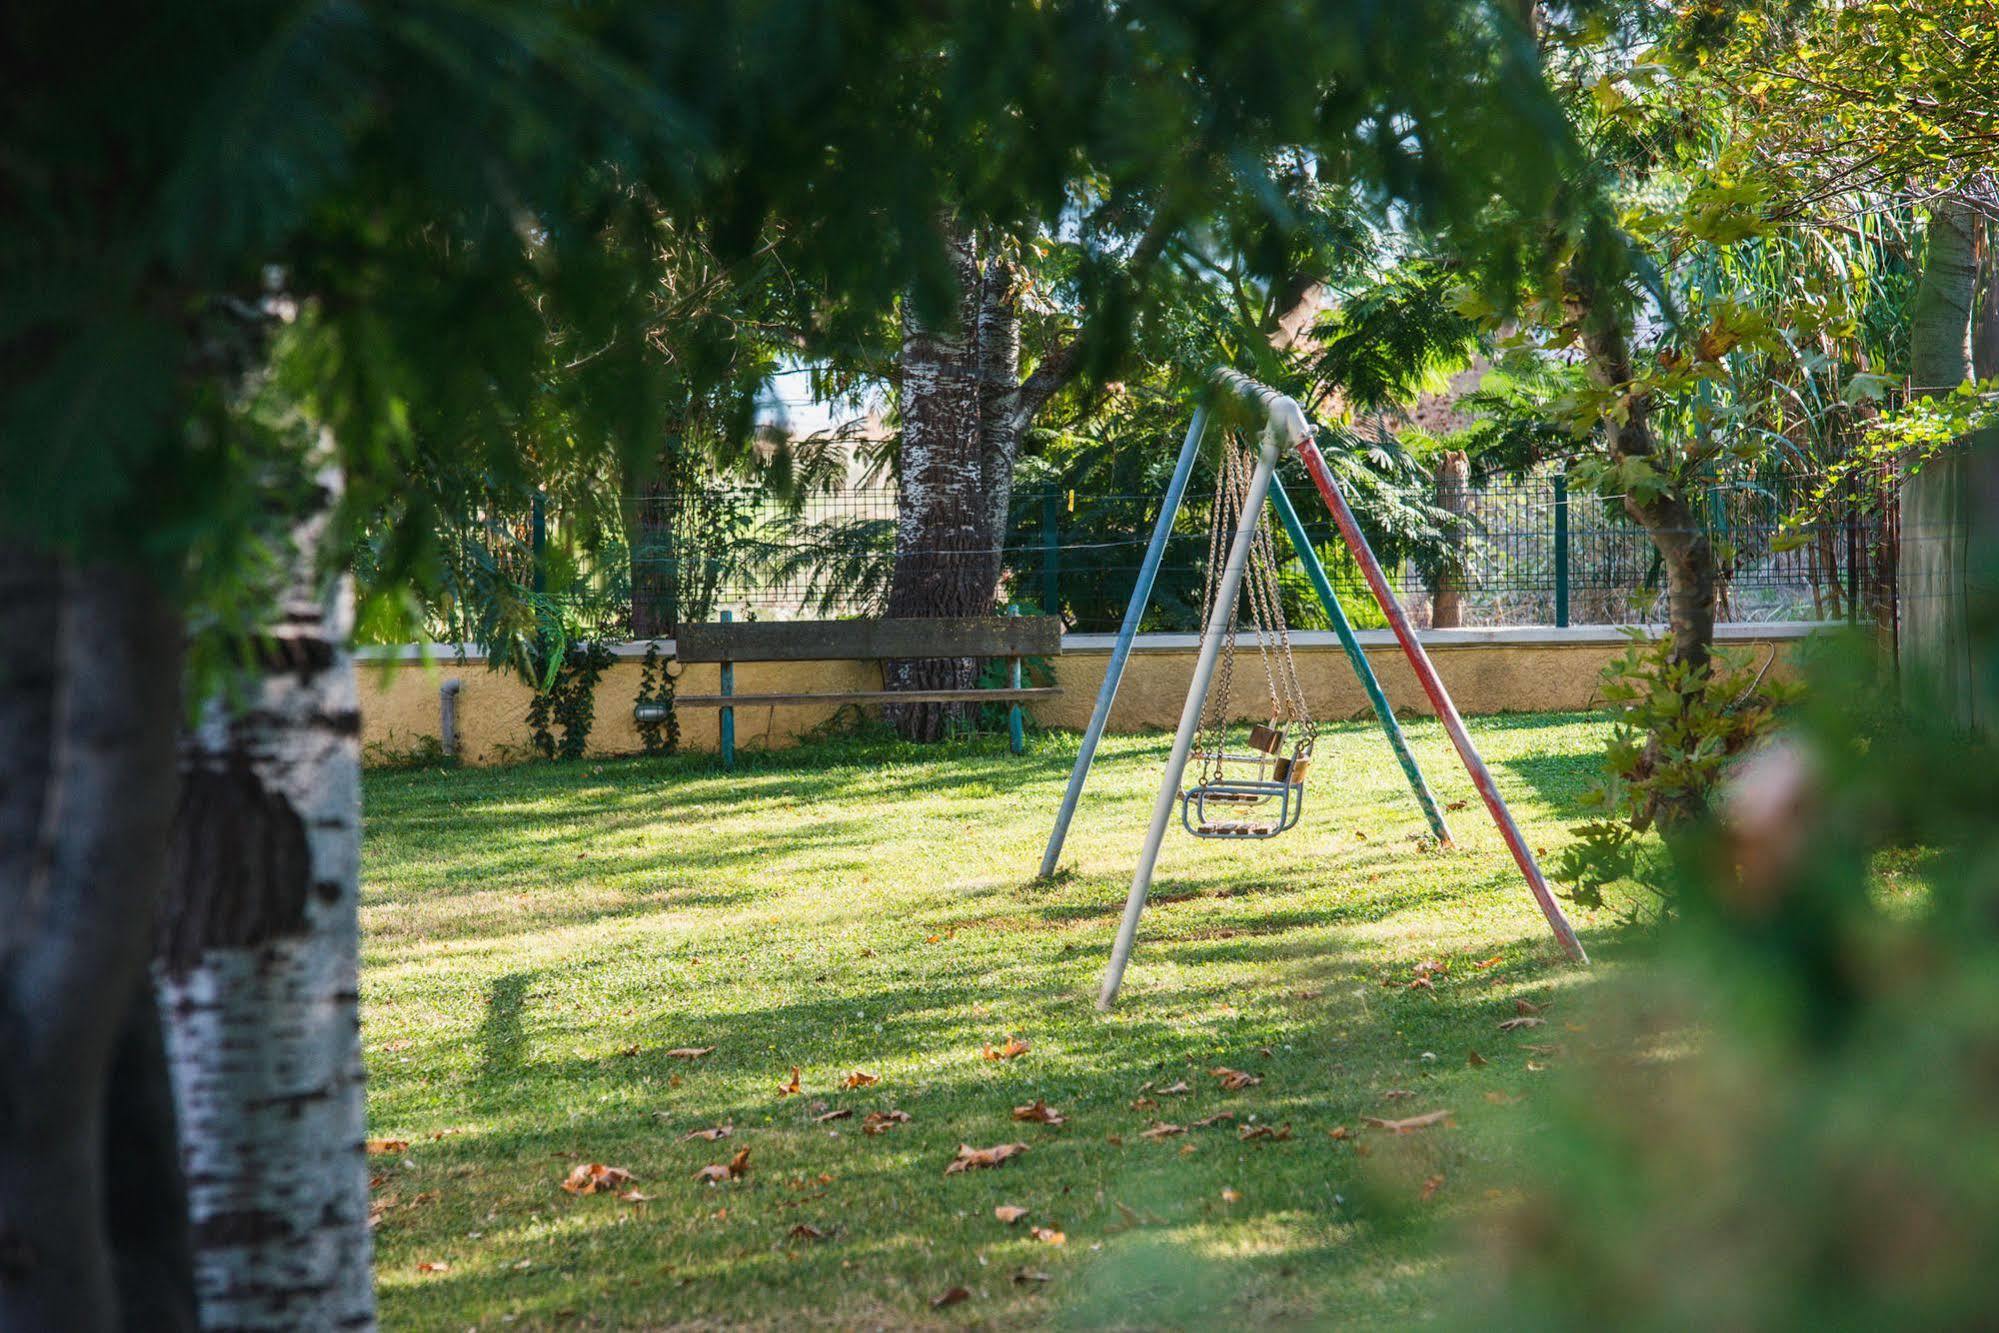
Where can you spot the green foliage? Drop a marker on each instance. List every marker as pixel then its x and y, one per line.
pixel 567 699
pixel 1677 732
pixel 656 682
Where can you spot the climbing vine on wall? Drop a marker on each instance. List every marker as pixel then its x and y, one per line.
pixel 568 702
pixel 656 677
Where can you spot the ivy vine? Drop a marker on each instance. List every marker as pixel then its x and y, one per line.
pixel 568 702
pixel 656 677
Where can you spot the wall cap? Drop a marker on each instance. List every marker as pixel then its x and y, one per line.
pixel 455 654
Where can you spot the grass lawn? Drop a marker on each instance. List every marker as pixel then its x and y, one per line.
pixel 538 939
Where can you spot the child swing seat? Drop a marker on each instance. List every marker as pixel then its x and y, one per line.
pixel 1260 793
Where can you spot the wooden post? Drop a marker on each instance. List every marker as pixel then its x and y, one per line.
pixel 728 714
pixel 1016 732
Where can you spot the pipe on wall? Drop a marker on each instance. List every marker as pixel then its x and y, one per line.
pixel 447 715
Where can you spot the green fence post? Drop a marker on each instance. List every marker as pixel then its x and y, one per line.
pixel 1051 553
pixel 728 713
pixel 1561 550
pixel 1016 731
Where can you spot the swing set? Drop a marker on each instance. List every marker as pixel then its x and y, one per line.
pixel 1258 791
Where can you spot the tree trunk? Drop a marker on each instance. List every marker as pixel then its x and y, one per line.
pixel 1454 498
pixel 89 683
pixel 257 973
pixel 946 563
pixel 1935 646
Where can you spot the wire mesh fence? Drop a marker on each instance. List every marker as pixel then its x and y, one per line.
pixel 1528 552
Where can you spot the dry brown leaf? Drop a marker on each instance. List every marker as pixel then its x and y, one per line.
pixel 1421 983
pixel 1339 1132
pixel 712 1135
pixel 1049 1236
pixel 1456 805
pixel 806 1231
pixel 689 1052
pixel 1411 1125
pixel 738 1166
pixel 1527 1007
pixel 1397 1095
pixel 1234 1080
pixel 1430 1188
pixel 1175 1089
pixel 1012 1048
pixel 842 1113
pixel 634 1196
pixel 881 1122
pixel 1230 1196
pixel 1515 1024
pixel 1276 1133
pixel 1039 1113
pixel 1493 961
pixel 860 1079
pixel 428 1266
pixel 1475 1060
pixel 1162 1130
pixel 791 1088
pixel 387 1147
pixel 1215 1119
pixel 1143 1104
pixel 950 1297
pixel 596 1178
pixel 970 1158
pixel 1009 1213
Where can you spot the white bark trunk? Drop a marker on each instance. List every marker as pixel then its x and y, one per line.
pixel 257 974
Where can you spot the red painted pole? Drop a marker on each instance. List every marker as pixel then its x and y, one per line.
pixel 1419 661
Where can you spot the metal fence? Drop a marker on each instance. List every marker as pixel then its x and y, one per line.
pixel 1531 553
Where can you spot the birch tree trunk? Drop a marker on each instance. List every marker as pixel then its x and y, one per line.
pixel 1935 647
pixel 257 974
pixel 89 697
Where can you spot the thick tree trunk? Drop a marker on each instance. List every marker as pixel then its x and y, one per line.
pixel 945 557
pixel 1935 647
pixel 256 967
pixel 1454 498
pixel 89 684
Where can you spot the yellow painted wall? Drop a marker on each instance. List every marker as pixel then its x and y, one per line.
pixel 399 705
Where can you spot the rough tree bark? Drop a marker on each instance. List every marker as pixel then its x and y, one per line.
pixel 256 967
pixel 1935 649
pixel 1453 497
pixel 89 686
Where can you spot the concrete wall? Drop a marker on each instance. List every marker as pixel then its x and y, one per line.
pixel 1486 671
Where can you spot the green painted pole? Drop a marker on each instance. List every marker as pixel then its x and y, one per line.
pixel 1316 572
pixel 728 714
pixel 1016 731
pixel 1561 550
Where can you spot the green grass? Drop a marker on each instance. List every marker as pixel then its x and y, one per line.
pixel 536 938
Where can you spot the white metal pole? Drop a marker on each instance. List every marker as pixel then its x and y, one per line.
pixel 1217 627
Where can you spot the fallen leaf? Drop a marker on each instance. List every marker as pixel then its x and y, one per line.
pixel 1515 1024
pixel 792 1087
pixel 1277 1133
pixel 1421 983
pixel 387 1147
pixel 1215 1119
pixel 970 1158
pixel 858 1079
pixel 881 1122
pixel 1175 1089
pixel 1411 1125
pixel 1012 1048
pixel 1431 965
pixel 1143 1104
pixel 806 1231
pixel 1039 1113
pixel 633 1196
pixel 437 1134
pixel 1024 1276
pixel 712 1135
pixel 1397 1094
pixel 1475 1060
pixel 1049 1236
pixel 951 1297
pixel 689 1052
pixel 1526 1007
pixel 1456 805
pixel 429 1267
pixel 1430 1188
pixel 843 1113
pixel 1536 1067
pixel 1493 961
pixel 1234 1080
pixel 1230 1196
pixel 1009 1213
pixel 1162 1130
pixel 596 1178
pixel 738 1166
pixel 1339 1132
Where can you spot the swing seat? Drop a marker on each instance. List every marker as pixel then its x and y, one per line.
pixel 1276 777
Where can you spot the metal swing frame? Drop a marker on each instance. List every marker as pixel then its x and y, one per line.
pixel 1284 426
